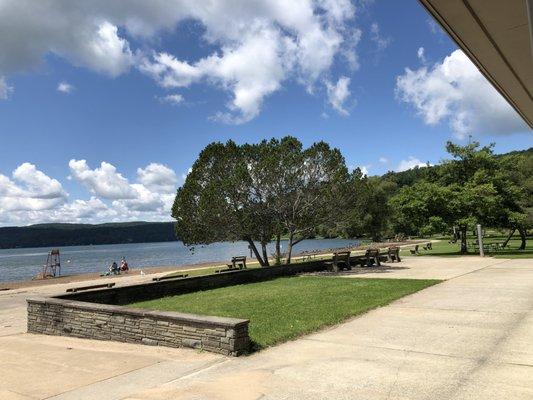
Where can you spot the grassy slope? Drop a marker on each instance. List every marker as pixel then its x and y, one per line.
pixel 285 308
pixel 443 248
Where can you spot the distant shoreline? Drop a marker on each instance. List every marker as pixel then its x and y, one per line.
pixel 63 235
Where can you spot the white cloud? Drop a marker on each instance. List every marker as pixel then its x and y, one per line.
pixel 158 177
pixel 29 190
pixel 455 91
pixel 410 163
pixel 262 44
pixel 383 160
pixel 379 40
pixel 338 94
pixel 151 196
pixel 65 87
pixel 258 45
pixel 173 99
pixel 421 55
pixel 104 181
pixel 348 49
pixel 5 89
pixel 30 196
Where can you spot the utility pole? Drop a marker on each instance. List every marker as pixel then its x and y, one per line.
pixel 480 240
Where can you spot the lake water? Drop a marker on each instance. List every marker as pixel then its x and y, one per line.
pixel 22 264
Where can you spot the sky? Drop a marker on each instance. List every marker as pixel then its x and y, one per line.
pixel 104 106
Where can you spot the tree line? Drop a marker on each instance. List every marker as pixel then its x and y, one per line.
pixel 48 235
pixel 277 189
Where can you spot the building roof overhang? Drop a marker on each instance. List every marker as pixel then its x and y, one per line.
pixel 498 37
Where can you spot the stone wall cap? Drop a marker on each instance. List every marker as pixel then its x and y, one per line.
pixel 159 315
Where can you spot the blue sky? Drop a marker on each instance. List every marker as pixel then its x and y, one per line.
pixel 145 89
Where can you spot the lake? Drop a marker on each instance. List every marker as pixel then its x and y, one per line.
pixel 22 264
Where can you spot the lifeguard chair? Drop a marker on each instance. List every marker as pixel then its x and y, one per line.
pixel 52 268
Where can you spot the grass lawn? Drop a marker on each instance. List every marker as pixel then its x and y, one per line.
pixel 285 308
pixel 443 248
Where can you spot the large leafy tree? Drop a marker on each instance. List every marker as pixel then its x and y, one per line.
pixel 473 187
pixel 260 192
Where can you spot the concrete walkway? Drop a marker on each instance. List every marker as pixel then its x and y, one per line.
pixel 467 338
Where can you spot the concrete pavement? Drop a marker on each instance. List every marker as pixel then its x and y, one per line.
pixel 466 338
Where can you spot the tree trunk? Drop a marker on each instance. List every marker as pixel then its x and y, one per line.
pixel 523 235
pixel 278 249
pixel 256 252
pixel 292 243
pixel 265 254
pixel 508 237
pixel 289 250
pixel 464 248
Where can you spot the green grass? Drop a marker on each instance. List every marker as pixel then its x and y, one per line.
pixel 285 308
pixel 443 248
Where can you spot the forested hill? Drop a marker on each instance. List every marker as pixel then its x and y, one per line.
pixel 49 235
pixel 407 178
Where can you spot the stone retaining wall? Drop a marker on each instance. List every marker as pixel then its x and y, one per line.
pixel 53 316
pixel 97 314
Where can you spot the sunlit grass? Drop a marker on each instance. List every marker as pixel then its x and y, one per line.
pixel 285 308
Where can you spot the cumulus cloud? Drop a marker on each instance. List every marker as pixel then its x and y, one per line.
pixel 257 45
pixel 158 177
pixel 64 87
pixel 29 189
pixel 383 160
pixel 30 196
pixel 84 33
pixel 454 91
pixel 410 163
pixel 338 94
pixel 103 181
pixel 153 193
pixel 262 44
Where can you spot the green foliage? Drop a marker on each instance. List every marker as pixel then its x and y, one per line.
pixel 256 192
pixel 474 186
pixel 368 210
pixel 285 308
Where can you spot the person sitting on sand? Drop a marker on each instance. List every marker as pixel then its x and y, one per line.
pixel 114 268
pixel 124 265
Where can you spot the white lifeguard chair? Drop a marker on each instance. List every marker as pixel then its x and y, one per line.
pixel 52 268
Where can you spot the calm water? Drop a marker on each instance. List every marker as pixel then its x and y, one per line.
pixel 21 264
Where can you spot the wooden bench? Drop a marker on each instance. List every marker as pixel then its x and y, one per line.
pixel 393 254
pixel 164 278
pixel 99 286
pixel 372 258
pixel 341 260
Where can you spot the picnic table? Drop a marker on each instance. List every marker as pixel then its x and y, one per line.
pixel 238 262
